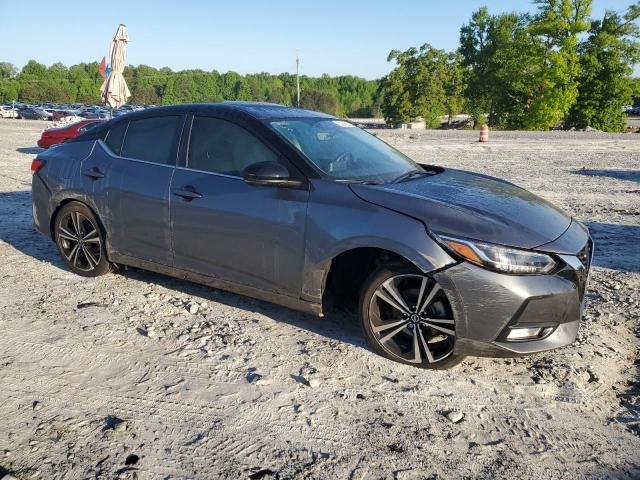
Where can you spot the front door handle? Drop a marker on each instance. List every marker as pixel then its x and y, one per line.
pixel 187 193
pixel 93 173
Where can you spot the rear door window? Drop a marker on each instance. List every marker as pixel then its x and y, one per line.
pixel 220 146
pixel 153 139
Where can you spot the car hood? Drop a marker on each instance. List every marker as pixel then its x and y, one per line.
pixel 474 206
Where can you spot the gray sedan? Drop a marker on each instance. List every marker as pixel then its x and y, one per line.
pixel 310 212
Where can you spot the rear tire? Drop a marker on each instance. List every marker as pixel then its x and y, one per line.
pixel 406 317
pixel 80 240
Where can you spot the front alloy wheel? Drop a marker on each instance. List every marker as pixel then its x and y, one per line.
pixel 408 318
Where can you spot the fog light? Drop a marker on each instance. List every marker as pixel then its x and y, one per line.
pixel 524 333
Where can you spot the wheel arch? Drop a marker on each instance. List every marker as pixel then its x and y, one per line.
pixel 345 273
pixel 58 204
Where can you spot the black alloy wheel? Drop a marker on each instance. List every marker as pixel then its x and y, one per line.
pixel 407 317
pixel 80 240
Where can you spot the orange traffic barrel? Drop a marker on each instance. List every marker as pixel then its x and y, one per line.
pixel 484 133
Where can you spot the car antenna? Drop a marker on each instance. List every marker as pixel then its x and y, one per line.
pixel 297 79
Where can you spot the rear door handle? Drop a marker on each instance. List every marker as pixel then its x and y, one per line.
pixel 187 193
pixel 93 173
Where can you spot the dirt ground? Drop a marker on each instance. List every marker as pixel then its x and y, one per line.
pixel 114 377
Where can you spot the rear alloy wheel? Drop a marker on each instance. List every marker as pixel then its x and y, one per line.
pixel 80 240
pixel 407 317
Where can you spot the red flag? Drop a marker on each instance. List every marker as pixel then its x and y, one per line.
pixel 102 68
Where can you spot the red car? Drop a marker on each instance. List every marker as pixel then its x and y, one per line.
pixel 53 136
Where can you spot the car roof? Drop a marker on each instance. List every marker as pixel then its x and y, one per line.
pixel 257 110
pixel 252 112
pixel 264 111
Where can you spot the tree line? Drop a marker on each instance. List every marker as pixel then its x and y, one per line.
pixel 342 96
pixel 523 71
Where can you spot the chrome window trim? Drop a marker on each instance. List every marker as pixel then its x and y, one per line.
pixel 210 173
pixel 111 154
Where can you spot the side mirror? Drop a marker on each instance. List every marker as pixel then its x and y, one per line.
pixel 269 173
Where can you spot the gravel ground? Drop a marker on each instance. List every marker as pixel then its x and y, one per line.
pixel 137 375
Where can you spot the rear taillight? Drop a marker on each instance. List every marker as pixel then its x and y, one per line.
pixel 36 165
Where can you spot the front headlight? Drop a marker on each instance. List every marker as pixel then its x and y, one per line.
pixel 497 257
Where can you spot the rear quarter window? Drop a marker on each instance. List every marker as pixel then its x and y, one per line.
pixel 152 139
pixel 115 135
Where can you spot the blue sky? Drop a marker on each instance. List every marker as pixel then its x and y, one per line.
pixel 335 37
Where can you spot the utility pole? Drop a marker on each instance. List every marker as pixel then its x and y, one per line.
pixel 298 79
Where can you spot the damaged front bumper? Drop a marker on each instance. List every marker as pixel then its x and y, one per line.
pixel 500 315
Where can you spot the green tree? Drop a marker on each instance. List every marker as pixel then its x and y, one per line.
pixel 454 86
pixel 523 70
pixel 397 103
pixel 320 101
pixel 34 68
pixel 9 90
pixel 555 83
pixel 476 55
pixel 7 70
pixel 426 83
pixel 607 57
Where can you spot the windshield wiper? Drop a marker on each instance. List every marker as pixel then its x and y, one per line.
pixel 359 182
pixel 410 174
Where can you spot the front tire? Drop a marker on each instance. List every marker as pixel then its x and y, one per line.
pixel 80 240
pixel 406 317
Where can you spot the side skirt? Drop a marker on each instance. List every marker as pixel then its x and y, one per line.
pixel 271 297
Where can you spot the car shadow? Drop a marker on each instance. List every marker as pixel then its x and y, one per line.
pixel 30 150
pixel 17 230
pixel 339 325
pixel 629 175
pixel 616 246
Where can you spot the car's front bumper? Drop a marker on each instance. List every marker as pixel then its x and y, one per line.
pixel 489 305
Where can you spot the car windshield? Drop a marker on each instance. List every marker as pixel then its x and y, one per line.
pixel 346 152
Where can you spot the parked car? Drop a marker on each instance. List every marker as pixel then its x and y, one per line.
pixel 53 136
pixel 31 113
pixel 59 114
pixel 8 112
pixel 94 114
pixel 124 109
pixel 310 212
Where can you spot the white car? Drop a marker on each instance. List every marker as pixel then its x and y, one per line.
pixel 8 112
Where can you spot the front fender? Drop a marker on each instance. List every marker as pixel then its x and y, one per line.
pixel 338 221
